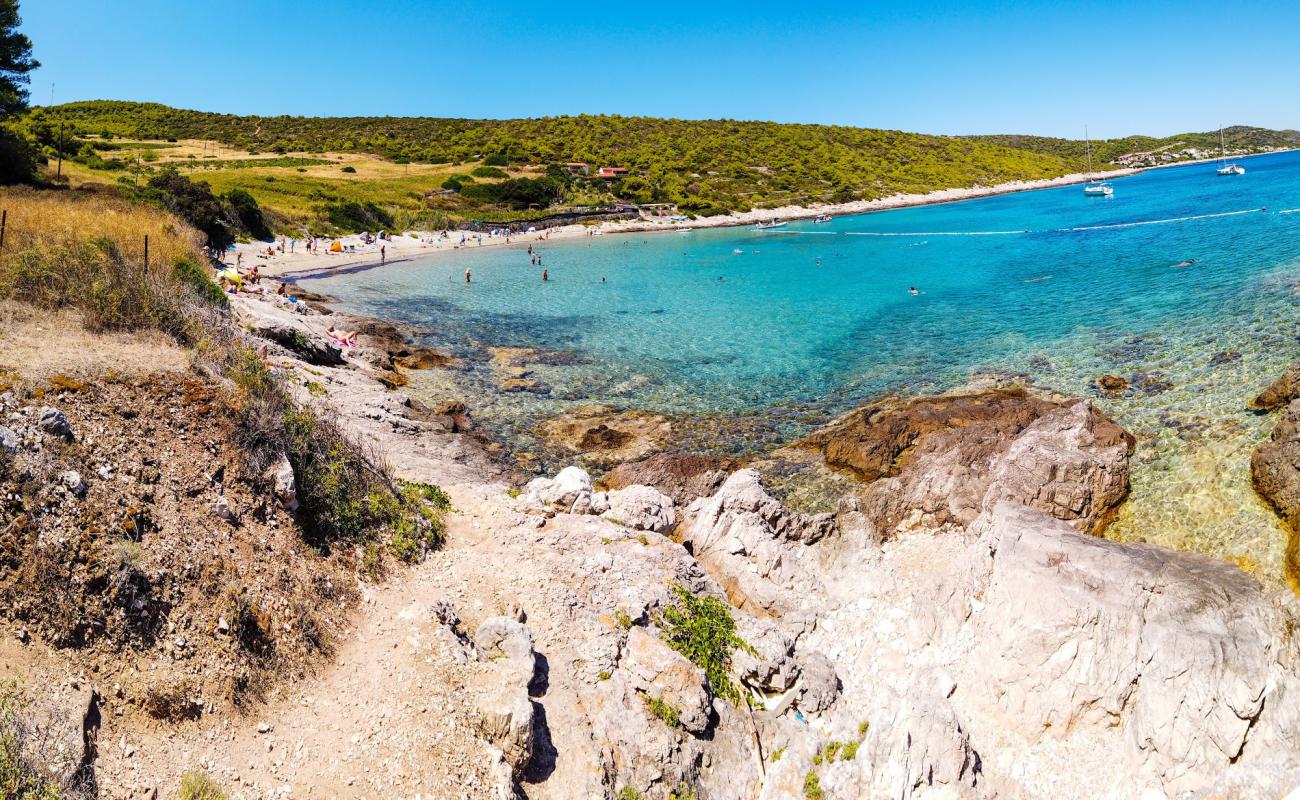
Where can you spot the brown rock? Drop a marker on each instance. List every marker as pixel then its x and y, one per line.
pixel 681 476
pixel 422 358
pixel 613 434
pixel 1281 391
pixel 523 356
pixel 934 461
pixel 1112 384
pixel 1275 473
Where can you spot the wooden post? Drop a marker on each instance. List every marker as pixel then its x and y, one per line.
pixel 59 174
pixel 146 251
pixel 4 219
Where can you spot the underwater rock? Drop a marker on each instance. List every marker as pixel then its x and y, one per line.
pixel 1111 385
pixel 1281 391
pixel 608 433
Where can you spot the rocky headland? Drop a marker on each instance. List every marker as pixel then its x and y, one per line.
pixel 957 625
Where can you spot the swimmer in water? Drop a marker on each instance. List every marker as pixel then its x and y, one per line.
pixel 466 277
pixel 1186 263
pixel 913 290
pixel 545 277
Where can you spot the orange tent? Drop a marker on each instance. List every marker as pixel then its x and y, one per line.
pixel 337 247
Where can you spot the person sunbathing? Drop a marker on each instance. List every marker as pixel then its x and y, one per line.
pixel 345 338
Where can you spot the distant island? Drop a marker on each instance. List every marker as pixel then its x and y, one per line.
pixel 348 174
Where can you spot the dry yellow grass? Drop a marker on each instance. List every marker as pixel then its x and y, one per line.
pixel 37 346
pixel 52 219
pixel 85 250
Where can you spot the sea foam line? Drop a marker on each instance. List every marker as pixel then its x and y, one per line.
pixel 1290 211
pixel 1161 221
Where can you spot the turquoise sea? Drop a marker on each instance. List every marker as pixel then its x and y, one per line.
pixel 770 332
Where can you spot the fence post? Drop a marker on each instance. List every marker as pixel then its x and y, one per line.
pixel 4 219
pixel 146 251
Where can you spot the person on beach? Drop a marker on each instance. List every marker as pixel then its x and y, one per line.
pixel 345 338
pixel 283 290
pixel 383 254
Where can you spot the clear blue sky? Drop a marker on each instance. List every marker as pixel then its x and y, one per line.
pixel 948 66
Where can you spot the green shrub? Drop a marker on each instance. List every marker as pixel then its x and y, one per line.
pixel 198 786
pixel 350 170
pixel 497 160
pixel 776 754
pixel 203 287
pixel 628 793
pixel 250 214
pixel 812 787
pixel 352 216
pixel 489 172
pixel 849 752
pixel 702 629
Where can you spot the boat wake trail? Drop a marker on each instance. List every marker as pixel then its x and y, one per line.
pixel 943 233
pixel 1161 221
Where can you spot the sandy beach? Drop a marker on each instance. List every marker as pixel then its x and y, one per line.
pixel 296 262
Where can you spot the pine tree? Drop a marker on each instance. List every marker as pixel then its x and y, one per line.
pixel 16 60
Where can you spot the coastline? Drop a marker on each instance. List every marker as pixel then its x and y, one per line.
pixel 300 265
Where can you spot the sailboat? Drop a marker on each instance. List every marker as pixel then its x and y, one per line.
pixel 1094 187
pixel 1225 167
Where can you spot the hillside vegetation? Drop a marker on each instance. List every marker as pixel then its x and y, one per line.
pixel 355 173
pixel 704 166
pixel 1106 152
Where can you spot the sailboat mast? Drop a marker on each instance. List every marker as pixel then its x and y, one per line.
pixel 1087 149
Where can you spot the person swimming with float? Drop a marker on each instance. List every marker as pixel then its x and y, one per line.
pixel 912 290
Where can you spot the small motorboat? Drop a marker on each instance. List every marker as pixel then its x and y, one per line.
pixel 767 226
pixel 822 218
pixel 1098 189
pixel 683 230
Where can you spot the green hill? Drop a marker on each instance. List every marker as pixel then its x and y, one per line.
pixel 702 164
pixel 452 168
pixel 1113 151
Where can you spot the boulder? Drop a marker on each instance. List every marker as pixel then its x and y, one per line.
pixel 503 637
pixel 750 543
pixel 8 440
pixel 656 670
pixel 682 476
pixel 505 716
pixel 283 484
pixel 1275 466
pixel 1112 385
pixel 1281 391
pixel 53 421
pixel 935 461
pixel 641 508
pixel 914 747
pixel 73 482
pixel 1071 632
pixel 312 347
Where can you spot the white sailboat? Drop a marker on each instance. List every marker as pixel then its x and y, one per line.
pixel 1094 187
pixel 1225 167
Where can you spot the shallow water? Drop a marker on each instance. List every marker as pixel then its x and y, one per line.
pixel 813 320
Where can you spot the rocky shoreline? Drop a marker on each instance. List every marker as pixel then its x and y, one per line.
pixel 954 628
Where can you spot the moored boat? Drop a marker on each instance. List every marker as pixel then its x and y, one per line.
pixel 1226 167
pixel 822 218
pixel 767 226
pixel 1094 187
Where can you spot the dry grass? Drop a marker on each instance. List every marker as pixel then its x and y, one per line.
pixel 38 346
pixel 58 220
pixel 86 250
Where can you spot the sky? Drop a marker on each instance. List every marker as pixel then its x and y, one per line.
pixel 947 66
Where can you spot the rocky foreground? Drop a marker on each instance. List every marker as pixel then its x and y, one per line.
pixel 955 628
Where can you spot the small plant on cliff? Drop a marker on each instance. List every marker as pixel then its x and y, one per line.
pixel 776 754
pixel 702 629
pixel 812 786
pixel 198 786
pixel 628 793
pixel 671 716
